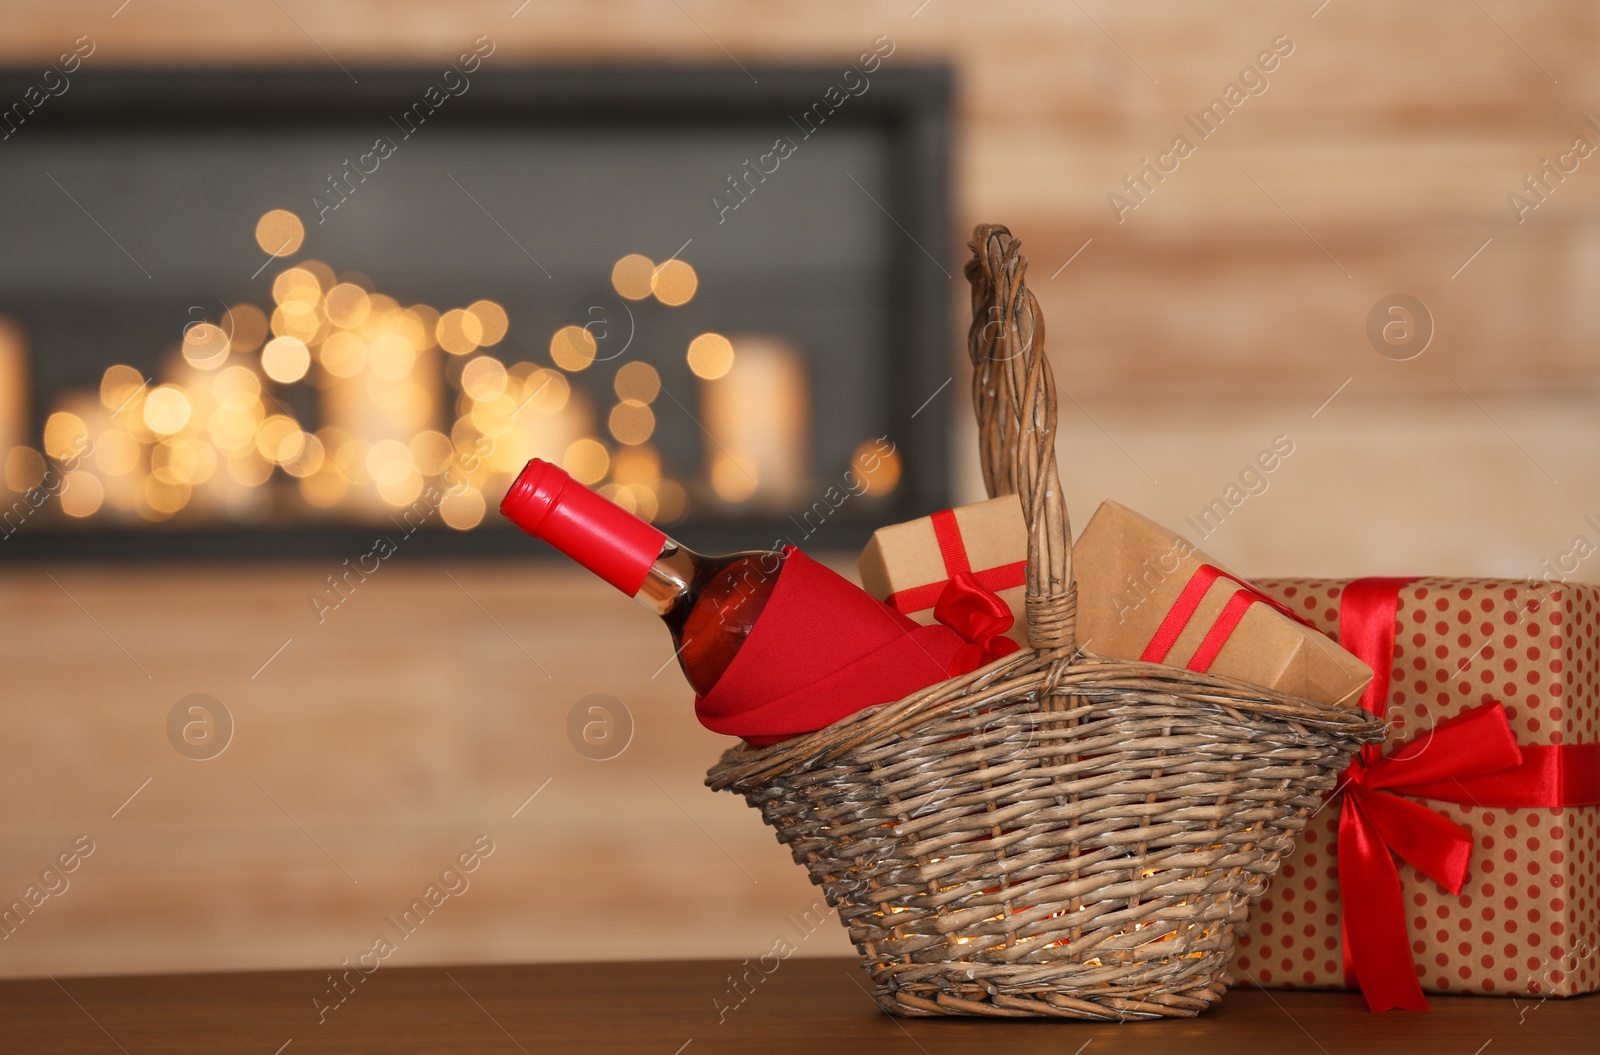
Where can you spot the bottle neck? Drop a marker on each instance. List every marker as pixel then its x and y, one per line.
pixel 667 582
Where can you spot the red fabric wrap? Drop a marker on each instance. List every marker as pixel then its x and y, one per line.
pixel 954 552
pixel 1471 758
pixel 823 648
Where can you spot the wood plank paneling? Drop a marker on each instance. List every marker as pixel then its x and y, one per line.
pixel 377 746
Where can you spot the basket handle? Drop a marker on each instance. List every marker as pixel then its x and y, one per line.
pixel 1014 397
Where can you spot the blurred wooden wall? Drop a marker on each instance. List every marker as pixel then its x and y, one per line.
pixel 1224 310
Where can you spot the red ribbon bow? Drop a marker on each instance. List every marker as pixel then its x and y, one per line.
pixel 967 602
pixel 1472 758
pixel 980 617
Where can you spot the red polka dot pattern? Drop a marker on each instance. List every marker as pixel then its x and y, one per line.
pixel 1528 918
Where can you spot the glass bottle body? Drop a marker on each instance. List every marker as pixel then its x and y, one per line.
pixel 709 604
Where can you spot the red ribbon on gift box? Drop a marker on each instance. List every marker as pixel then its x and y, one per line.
pixel 1472 759
pixel 954 552
pixel 1188 602
pixel 968 601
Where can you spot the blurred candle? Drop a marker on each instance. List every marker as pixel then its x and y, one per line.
pixel 373 408
pixel 758 414
pixel 13 388
pixel 540 415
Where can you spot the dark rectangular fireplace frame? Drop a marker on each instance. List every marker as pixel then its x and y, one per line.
pixel 909 106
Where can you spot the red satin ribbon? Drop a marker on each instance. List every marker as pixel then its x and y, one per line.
pixel 954 553
pixel 967 602
pixel 1183 609
pixel 1472 758
pixel 980 617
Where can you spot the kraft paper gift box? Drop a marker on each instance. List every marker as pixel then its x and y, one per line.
pixel 1147 593
pixel 909 565
pixel 1462 855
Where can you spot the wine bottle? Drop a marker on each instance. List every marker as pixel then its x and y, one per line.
pixel 710 604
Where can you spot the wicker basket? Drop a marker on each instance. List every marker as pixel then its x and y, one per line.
pixel 1054 834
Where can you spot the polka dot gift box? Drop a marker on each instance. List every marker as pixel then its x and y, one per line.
pixel 1460 856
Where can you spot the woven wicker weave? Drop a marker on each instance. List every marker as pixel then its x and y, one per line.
pixel 1054 834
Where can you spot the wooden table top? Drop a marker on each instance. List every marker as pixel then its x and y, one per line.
pixel 805 1006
